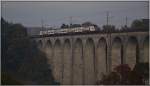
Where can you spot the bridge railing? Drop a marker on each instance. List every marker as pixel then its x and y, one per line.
pixel 87 33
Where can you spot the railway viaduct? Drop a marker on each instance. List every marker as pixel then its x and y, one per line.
pixel 84 58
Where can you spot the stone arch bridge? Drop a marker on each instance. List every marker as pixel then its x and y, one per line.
pixel 83 58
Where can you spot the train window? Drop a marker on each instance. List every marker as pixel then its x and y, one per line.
pixel 92 28
pixel 41 32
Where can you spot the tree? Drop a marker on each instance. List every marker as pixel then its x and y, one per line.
pixel 21 59
pixel 64 26
pixel 122 75
pixel 140 24
pixel 146 23
pixel 75 25
pixel 142 69
pixel 137 24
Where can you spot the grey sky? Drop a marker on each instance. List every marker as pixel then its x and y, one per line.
pixel 56 13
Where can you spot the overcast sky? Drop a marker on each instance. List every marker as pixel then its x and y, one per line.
pixel 55 13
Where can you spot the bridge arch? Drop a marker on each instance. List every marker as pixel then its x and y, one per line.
pixel 67 62
pixel 116 52
pixel 132 51
pixel 49 51
pixel 89 61
pixel 146 49
pixel 57 61
pixel 78 66
pixel 101 59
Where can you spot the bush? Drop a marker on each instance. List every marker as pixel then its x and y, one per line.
pixel 122 75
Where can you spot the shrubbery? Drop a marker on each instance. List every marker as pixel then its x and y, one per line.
pixel 123 75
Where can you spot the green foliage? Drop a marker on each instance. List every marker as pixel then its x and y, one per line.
pixel 137 24
pixel 21 57
pixel 140 24
pixel 142 69
pixel 122 75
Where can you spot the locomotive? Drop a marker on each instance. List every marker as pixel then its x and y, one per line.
pixel 68 30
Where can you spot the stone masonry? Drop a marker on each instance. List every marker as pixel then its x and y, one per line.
pixel 82 59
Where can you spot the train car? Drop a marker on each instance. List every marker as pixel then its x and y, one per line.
pixel 43 32
pixel 51 32
pixel 68 30
pixel 92 28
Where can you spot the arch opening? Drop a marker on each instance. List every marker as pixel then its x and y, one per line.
pixel 89 62
pixel 67 63
pixel 101 59
pixel 48 50
pixel 116 53
pixel 132 52
pixel 78 69
pixel 57 61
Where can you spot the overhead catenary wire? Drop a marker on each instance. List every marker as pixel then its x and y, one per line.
pixel 89 16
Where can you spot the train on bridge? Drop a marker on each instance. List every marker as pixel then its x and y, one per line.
pixel 68 30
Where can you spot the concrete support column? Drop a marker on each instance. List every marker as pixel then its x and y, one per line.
pixel 52 65
pixel 108 59
pixel 48 51
pixel 96 62
pixel 67 61
pixel 78 63
pixel 89 55
pixel 83 53
pixel 100 58
pixel 109 47
pixel 58 61
pixel 71 41
pixel 124 52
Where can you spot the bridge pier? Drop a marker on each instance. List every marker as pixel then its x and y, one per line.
pixel 83 58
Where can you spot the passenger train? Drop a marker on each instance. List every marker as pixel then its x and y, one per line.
pixel 68 30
